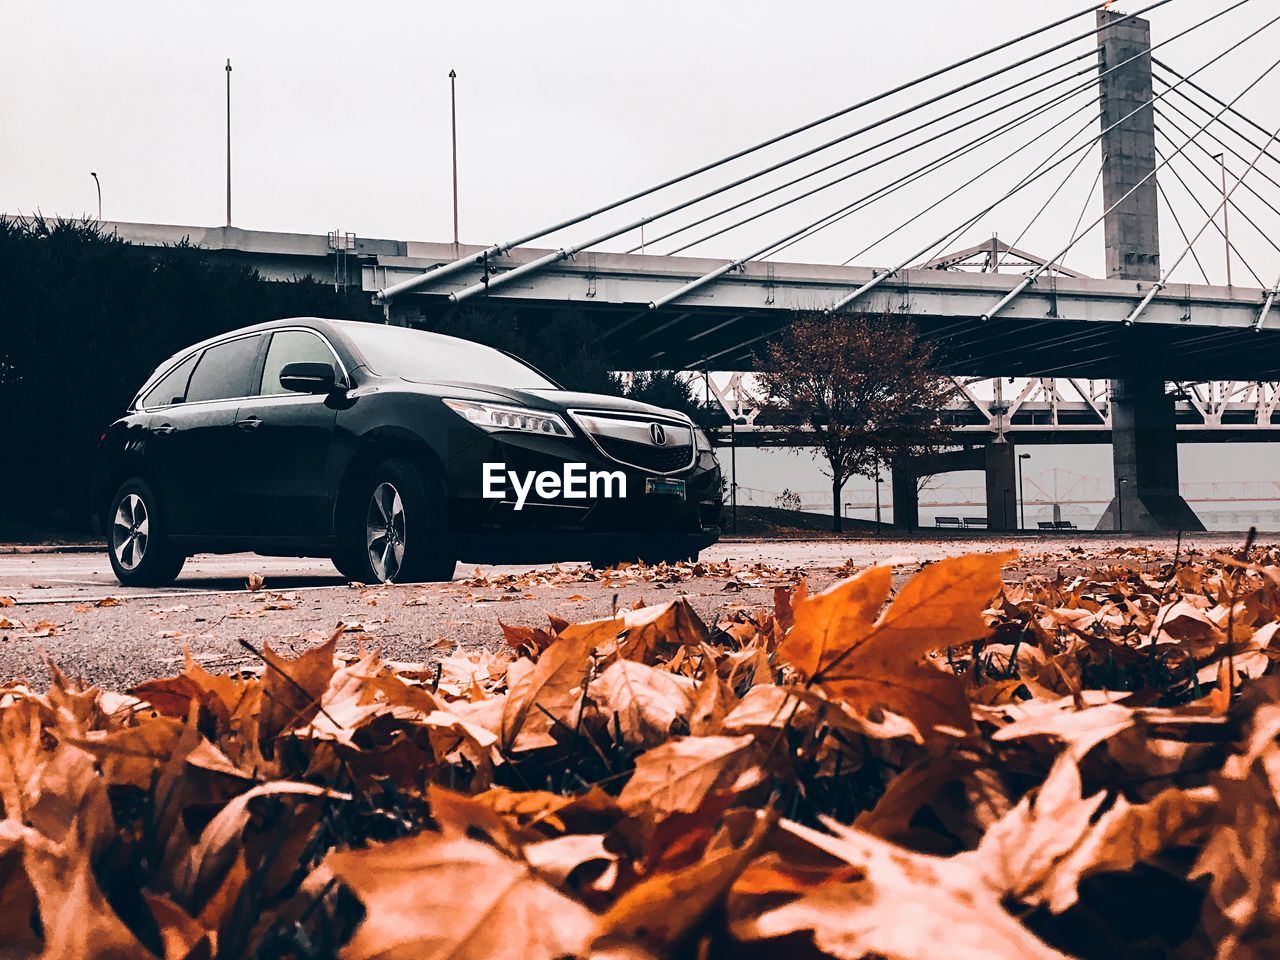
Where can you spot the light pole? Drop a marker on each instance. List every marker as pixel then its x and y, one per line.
pixel 228 141
pixel 878 478
pixel 453 111
pixel 97 183
pixel 1022 493
pixel 733 470
pixel 1226 221
pixel 1120 504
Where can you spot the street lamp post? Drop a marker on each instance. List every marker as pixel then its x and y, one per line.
pixel 1022 493
pixel 1226 220
pixel 1120 504
pixel 733 470
pixel 97 183
pixel 453 112
pixel 228 141
pixel 878 500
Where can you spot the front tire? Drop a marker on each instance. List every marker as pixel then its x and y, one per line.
pixel 395 530
pixel 137 541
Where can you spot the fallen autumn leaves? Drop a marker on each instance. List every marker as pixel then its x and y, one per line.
pixel 969 769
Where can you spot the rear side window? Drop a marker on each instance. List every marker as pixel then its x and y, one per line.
pixel 225 371
pixel 172 387
pixel 292 346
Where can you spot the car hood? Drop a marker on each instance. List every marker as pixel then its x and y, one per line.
pixel 558 400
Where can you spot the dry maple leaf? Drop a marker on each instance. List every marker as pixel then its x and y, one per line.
pixel 432 896
pixel 1242 913
pixel 663 907
pixel 679 775
pixel 868 662
pixel 75 915
pixel 291 689
pixel 554 684
pixel 645 701
pixel 532 640
pixel 649 631
pixel 905 906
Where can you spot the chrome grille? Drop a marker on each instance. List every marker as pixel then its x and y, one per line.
pixel 629 440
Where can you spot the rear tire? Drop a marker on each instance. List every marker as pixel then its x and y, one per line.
pixel 137 539
pixel 395 530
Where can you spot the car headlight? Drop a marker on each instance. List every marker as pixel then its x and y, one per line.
pixel 495 417
pixel 702 440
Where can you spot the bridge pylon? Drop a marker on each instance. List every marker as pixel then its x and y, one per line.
pixel 1144 442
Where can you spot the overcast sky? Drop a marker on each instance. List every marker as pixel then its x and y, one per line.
pixel 341 115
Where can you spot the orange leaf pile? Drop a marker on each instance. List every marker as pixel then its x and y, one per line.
pixel 1072 766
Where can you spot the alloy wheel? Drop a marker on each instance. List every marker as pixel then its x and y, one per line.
pixel 130 531
pixel 384 532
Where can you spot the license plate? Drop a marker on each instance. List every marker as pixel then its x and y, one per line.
pixel 657 487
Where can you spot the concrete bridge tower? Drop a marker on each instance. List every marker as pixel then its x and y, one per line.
pixel 1144 439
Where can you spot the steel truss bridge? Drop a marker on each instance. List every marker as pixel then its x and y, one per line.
pixel 1037 411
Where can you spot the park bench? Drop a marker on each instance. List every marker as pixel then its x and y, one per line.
pixel 978 522
pixel 947 521
pixel 1056 525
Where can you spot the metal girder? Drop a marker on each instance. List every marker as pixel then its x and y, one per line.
pixel 1049 406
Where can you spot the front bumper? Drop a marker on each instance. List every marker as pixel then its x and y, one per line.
pixel 556 527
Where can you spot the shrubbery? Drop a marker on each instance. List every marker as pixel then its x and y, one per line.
pixel 84 318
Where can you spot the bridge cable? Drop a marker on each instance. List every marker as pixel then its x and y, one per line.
pixel 1220 141
pixel 777 246
pixel 841 214
pixel 955 153
pixel 1205 210
pixel 1036 274
pixel 1217 189
pixel 1093 190
pixel 1163 281
pixel 1178 223
pixel 737 264
pixel 1084 155
pixel 1037 172
pixel 1201 90
pixel 950 238
pixel 463 263
pixel 937 249
pixel 1062 97
pixel 916 129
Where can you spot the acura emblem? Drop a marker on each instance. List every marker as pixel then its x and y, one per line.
pixel 657 434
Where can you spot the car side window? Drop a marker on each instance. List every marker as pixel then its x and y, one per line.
pixel 225 370
pixel 292 346
pixel 172 387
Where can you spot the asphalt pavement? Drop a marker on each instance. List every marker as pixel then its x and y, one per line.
pixel 67 608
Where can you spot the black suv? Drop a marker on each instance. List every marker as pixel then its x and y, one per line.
pixel 395 452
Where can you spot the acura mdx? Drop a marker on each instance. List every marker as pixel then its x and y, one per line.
pixel 395 452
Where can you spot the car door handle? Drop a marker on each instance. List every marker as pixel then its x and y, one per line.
pixel 164 428
pixel 249 423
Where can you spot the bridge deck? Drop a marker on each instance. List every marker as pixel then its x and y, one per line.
pixel 1062 327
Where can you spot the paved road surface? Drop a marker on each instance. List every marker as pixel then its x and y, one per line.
pixel 69 609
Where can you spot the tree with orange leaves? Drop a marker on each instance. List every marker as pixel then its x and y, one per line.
pixel 866 385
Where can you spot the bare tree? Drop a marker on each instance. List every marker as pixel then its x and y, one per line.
pixel 867 386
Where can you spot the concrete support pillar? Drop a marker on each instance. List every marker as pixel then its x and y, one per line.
pixel 1145 452
pixel 1144 442
pixel 1001 472
pixel 906 498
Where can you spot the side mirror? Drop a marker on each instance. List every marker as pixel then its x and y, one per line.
pixel 308 377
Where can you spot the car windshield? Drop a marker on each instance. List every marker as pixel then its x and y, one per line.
pixel 417 355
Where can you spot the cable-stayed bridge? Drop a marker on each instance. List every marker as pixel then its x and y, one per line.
pixel 1145 324
pixel 1090 133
